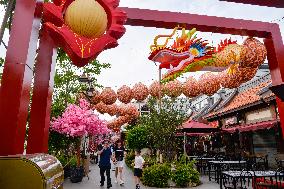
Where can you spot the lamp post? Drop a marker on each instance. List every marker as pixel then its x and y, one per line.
pixel 84 78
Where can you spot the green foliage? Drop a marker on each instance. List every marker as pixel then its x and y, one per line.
pixel 137 138
pixel 157 175
pixel 73 161
pixel 162 124
pixel 66 81
pixel 63 160
pixel 185 174
pixel 149 160
pixel 129 159
pixel 59 143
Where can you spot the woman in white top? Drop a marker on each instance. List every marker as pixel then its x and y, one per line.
pixel 138 166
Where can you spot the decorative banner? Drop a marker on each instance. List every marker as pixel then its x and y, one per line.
pixel 108 96
pixel 209 83
pixel 190 88
pixel 156 88
pixel 140 92
pixel 173 89
pixel 124 94
pixel 88 28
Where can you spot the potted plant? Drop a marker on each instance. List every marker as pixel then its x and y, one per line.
pixel 76 171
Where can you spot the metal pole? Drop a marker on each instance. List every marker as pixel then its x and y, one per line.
pixel 160 91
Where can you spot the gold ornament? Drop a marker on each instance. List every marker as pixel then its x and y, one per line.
pixel 86 18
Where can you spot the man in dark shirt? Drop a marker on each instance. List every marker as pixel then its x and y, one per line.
pixel 104 164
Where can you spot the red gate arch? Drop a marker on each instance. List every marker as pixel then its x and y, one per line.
pixel 21 52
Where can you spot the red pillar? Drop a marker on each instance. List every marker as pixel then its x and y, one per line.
pixel 275 56
pixel 42 96
pixel 16 79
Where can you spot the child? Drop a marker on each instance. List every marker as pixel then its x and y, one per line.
pixel 138 165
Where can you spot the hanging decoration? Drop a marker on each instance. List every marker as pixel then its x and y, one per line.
pixel 124 94
pixel 84 28
pixel 209 83
pixel 101 108
pixel 255 53
pixel 190 88
pixel 187 53
pixel 108 96
pixel 96 97
pixel 239 76
pixel 125 112
pixel 155 89
pixel 140 92
pixel 173 89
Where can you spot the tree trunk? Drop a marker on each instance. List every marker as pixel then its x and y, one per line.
pixel 8 12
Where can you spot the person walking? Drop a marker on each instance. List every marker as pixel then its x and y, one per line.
pixel 104 164
pixel 118 153
pixel 138 165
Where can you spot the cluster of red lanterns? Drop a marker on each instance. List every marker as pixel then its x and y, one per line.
pixel 125 112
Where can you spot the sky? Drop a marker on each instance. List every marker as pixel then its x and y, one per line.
pixel 129 60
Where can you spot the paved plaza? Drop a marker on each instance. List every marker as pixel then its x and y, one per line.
pixel 94 181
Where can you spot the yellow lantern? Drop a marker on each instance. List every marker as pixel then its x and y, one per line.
pixel 86 18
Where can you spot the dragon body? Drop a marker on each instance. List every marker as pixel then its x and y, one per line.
pixel 189 54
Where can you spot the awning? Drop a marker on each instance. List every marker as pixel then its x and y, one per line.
pixel 252 127
pixel 192 134
pixel 197 127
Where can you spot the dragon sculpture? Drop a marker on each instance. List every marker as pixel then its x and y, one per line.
pixel 187 53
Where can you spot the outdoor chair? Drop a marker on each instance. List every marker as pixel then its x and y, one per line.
pixel 246 180
pixel 273 183
pixel 279 178
pixel 278 163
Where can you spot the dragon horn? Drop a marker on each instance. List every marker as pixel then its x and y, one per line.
pixel 191 32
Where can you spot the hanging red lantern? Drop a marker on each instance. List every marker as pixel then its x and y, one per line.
pixel 101 108
pixel 140 92
pixel 209 83
pixel 190 88
pixel 108 96
pixel 239 76
pixel 255 53
pixel 155 89
pixel 173 89
pixel 124 94
pixel 112 109
pixel 96 98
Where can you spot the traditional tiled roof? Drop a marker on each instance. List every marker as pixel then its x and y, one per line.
pixel 243 99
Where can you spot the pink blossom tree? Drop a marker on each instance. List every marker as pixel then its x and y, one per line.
pixel 77 121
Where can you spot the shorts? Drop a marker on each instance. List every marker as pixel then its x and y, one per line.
pixel 119 164
pixel 137 172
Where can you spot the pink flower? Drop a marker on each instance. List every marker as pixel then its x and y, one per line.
pixel 77 121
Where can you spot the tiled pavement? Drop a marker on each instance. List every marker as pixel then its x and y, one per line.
pixel 94 176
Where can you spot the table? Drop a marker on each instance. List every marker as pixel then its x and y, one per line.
pixel 217 165
pixel 235 175
pixel 202 163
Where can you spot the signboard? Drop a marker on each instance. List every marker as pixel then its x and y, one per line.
pixel 231 120
pixel 214 124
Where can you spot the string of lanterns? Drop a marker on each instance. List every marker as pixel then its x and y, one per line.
pixel 208 84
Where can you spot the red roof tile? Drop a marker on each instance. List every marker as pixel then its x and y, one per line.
pixel 244 98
